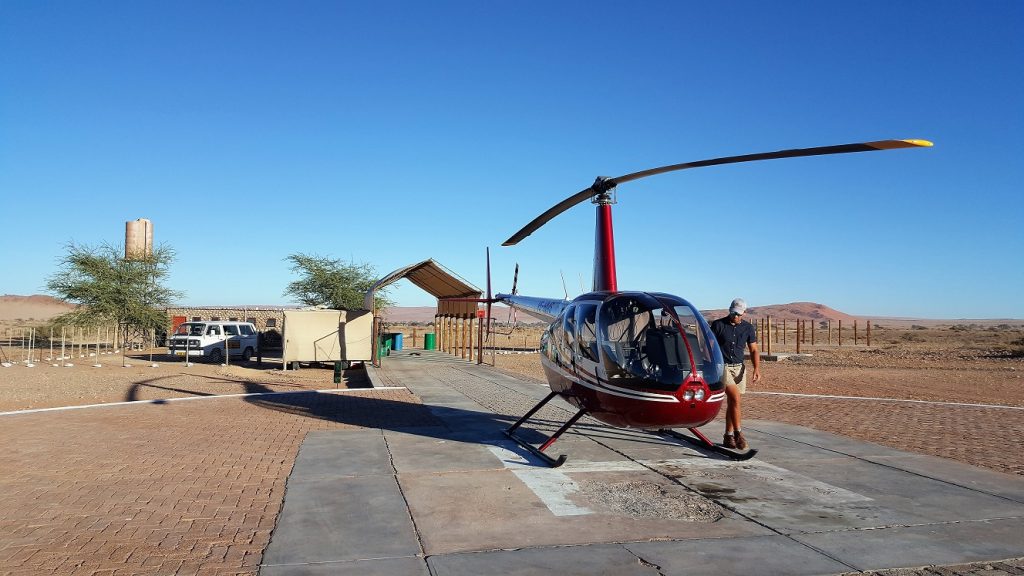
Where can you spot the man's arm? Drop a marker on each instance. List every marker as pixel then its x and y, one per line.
pixel 755 359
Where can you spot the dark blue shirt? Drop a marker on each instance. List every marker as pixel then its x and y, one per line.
pixel 733 339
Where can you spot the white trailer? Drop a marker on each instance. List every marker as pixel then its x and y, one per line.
pixel 328 336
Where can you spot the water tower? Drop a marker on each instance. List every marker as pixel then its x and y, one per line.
pixel 138 239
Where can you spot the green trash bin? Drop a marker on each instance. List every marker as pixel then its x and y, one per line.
pixel 429 341
pixel 385 345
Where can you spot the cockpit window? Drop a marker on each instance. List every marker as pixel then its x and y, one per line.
pixel 624 323
pixel 569 329
pixel 586 329
pixel 654 337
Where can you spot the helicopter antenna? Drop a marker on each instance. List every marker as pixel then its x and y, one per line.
pixel 564 289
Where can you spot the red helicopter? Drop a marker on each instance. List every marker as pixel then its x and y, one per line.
pixel 644 360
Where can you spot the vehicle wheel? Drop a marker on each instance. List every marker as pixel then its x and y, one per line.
pixel 247 355
pixel 217 356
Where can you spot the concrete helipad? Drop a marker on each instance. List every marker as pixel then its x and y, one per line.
pixel 456 497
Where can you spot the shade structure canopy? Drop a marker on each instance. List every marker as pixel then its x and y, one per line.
pixel 439 282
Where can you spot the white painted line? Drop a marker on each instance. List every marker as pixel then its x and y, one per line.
pixel 210 397
pixel 889 400
pixel 617 466
pixel 552 486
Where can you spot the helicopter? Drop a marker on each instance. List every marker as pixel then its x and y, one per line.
pixel 634 359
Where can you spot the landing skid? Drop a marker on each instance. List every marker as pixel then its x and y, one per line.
pixel 539 452
pixel 702 441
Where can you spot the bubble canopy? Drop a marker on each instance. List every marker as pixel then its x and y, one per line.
pixel 639 339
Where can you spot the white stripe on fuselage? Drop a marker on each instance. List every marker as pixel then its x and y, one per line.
pixel 616 391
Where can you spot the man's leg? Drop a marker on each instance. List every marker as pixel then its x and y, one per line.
pixel 732 408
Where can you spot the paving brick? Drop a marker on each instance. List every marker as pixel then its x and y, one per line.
pixel 177 488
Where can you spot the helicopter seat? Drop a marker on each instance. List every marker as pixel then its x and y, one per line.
pixel 665 351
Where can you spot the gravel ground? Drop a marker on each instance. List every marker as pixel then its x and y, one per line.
pixel 644 499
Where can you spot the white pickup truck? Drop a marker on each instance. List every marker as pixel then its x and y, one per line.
pixel 212 339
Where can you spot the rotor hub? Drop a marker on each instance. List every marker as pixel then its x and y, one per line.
pixel 604 191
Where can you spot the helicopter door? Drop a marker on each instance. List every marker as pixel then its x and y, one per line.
pixel 567 346
pixel 586 335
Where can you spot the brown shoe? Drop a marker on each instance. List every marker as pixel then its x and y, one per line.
pixel 741 442
pixel 729 441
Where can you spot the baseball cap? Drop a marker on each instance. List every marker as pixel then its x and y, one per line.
pixel 738 306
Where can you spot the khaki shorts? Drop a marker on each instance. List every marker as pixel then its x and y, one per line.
pixel 736 374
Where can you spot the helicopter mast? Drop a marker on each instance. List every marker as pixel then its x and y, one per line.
pixel 604 238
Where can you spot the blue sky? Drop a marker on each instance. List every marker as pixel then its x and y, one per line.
pixel 392 132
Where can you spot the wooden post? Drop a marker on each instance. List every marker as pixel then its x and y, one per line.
pixel 462 348
pixel 840 333
pixel 783 331
pixel 812 332
pixel 869 333
pixel 854 332
pixel 798 338
pixel 830 332
pixel 768 335
pixel 413 337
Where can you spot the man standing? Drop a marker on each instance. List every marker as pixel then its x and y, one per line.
pixel 734 335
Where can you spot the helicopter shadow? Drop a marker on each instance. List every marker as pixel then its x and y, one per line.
pixel 158 383
pixel 462 425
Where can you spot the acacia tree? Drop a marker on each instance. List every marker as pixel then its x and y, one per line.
pixel 110 288
pixel 331 282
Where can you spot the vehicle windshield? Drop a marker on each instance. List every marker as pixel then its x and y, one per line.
pixel 191 329
pixel 656 337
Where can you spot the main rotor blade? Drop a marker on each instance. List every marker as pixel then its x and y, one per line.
pixel 794 153
pixel 551 213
